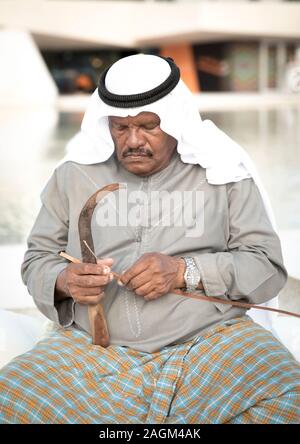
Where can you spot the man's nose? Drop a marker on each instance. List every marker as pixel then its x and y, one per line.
pixel 134 139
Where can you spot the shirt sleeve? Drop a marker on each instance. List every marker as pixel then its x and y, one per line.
pixel 42 264
pixel 251 269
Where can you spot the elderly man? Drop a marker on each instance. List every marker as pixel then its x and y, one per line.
pixel 170 358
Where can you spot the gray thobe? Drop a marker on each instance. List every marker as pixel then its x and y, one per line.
pixel 235 247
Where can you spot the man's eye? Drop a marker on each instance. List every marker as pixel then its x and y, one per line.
pixel 120 127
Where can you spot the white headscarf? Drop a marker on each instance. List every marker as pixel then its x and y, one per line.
pixel 199 142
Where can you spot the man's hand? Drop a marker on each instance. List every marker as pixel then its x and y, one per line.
pixel 85 283
pixel 154 275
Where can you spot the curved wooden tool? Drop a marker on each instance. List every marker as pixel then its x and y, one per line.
pixel 97 319
pixel 200 297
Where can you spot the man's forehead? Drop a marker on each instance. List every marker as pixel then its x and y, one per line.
pixel 144 116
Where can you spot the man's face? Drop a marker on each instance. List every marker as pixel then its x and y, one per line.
pixel 141 146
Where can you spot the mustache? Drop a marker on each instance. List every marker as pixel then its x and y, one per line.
pixel 137 152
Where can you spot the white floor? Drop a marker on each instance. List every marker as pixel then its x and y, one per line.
pixel 13 292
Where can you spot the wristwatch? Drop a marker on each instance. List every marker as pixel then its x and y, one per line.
pixel 191 275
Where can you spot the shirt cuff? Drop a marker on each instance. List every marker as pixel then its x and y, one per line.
pixel 211 279
pixel 61 312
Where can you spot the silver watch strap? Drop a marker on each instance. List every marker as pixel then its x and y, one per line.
pixel 192 274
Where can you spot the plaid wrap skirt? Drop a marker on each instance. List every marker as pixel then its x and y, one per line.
pixel 235 372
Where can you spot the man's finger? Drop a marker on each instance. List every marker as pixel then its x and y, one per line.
pixel 144 290
pixel 90 291
pixel 92 280
pixel 106 261
pixel 139 280
pixel 137 268
pixel 91 269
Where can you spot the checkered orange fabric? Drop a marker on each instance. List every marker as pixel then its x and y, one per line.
pixel 236 372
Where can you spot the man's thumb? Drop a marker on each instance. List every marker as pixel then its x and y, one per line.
pixel 106 261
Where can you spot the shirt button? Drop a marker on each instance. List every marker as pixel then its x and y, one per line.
pixel 138 239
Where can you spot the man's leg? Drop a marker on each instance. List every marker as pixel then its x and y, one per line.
pixel 37 387
pixel 66 379
pixel 238 372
